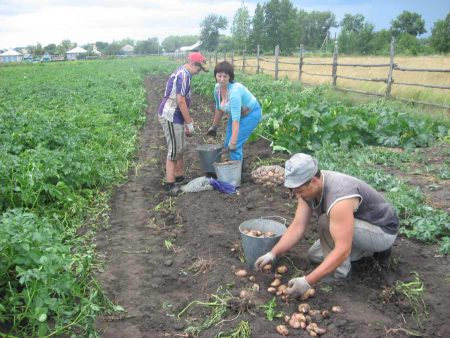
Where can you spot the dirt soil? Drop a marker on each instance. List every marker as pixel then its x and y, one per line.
pixel 163 253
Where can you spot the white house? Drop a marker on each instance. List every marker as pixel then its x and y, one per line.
pixel 11 56
pixel 74 53
pixel 127 50
pixel 190 48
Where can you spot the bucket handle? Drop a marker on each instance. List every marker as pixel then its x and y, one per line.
pixel 221 152
pixel 276 217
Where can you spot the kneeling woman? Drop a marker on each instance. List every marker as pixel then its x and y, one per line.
pixel 235 99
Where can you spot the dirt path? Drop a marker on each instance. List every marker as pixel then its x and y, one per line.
pixel 154 280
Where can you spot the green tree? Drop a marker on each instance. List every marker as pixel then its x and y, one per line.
pixel 240 28
pixel 113 48
pixel 317 26
pixel 64 46
pixel 50 49
pixel 288 31
pixel 440 35
pixel 101 46
pixel 408 22
pixel 272 22
pixel 149 46
pixel 257 34
pixel 352 23
pixel 381 42
pixel 356 35
pixel 408 44
pixel 210 27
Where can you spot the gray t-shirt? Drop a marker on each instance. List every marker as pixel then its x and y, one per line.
pixel 373 208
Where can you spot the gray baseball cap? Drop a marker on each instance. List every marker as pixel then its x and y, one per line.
pixel 299 169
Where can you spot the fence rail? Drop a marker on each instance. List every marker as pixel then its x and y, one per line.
pixel 242 63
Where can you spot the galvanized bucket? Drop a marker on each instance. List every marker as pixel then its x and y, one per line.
pixel 209 153
pixel 255 247
pixel 229 171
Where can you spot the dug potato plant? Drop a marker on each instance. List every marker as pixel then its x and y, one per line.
pixel 92 246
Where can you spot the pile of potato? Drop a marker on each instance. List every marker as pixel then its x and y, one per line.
pixel 258 233
pixel 269 175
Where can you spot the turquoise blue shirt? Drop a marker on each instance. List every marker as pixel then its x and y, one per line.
pixel 239 98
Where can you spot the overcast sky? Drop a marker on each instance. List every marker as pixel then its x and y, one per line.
pixel 27 22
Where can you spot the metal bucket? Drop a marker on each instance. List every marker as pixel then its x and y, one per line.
pixel 209 153
pixel 229 171
pixel 255 247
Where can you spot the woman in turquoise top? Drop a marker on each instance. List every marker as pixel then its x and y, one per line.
pixel 236 100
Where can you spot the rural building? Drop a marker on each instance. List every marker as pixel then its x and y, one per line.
pixel 11 56
pixel 74 53
pixel 127 50
pixel 194 47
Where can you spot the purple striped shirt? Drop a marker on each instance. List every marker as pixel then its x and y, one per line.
pixel 179 83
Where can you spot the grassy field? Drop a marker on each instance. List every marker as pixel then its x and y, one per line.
pixel 439 96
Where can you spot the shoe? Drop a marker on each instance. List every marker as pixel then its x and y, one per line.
pixel 173 190
pixel 181 180
pixel 383 257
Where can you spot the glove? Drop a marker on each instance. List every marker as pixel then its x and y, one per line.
pixel 268 258
pixel 189 128
pixel 297 286
pixel 212 131
pixel 231 146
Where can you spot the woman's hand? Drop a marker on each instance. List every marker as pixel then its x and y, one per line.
pixel 212 131
pixel 231 146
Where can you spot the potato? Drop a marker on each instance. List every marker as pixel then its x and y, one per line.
pixel 252 279
pixel 255 287
pixel 282 269
pixel 282 288
pixel 308 294
pixel 272 290
pixel 337 309
pixel 267 267
pixel 287 318
pixel 244 294
pixel 283 330
pixel 241 273
pixel 276 282
pixel 304 308
pixel 320 331
pixel 294 323
pixel 299 316
pixel 269 234
pixel 325 314
pixel 314 312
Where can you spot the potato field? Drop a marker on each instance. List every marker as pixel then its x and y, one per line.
pixel 91 245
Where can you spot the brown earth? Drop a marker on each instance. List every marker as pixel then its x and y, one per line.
pixel 154 282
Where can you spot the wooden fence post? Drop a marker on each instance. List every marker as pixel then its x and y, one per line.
pixel 277 56
pixel 243 61
pixel 257 59
pixel 216 56
pixel 391 69
pixel 334 69
pixel 300 64
pixel 232 57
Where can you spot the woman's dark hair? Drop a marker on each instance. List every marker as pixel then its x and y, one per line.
pixel 225 67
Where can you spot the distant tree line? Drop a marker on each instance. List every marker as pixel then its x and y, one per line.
pixel 279 22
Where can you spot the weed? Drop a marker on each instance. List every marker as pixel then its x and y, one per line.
pixel 219 309
pixel 242 331
pixel 413 291
pixel 168 244
pixel 201 265
pixel 270 309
